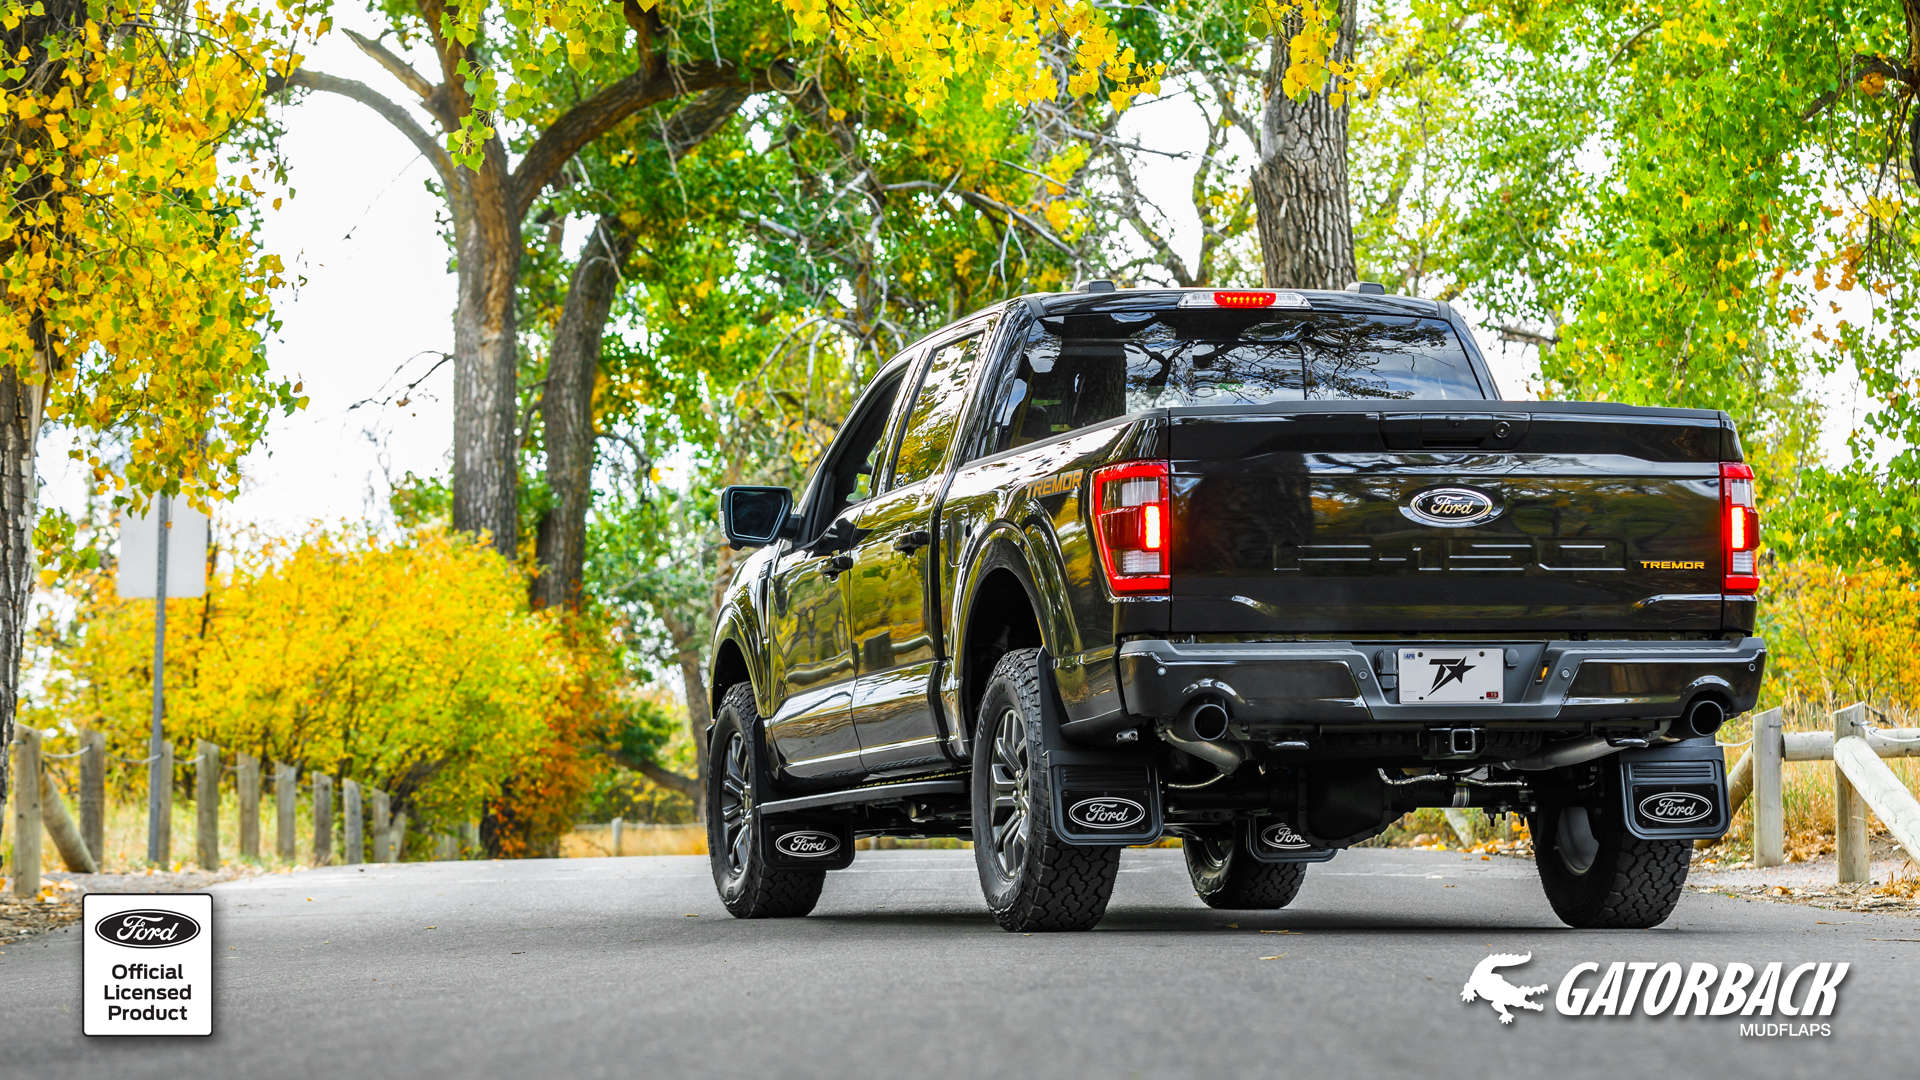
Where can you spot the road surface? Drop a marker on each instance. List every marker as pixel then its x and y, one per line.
pixel 630 968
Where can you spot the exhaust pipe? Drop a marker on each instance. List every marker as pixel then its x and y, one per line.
pixel 1202 719
pixel 1199 731
pixel 1562 754
pixel 1703 717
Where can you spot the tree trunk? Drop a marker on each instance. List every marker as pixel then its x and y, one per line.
pixel 1300 182
pixel 566 413
pixel 485 382
pixel 21 404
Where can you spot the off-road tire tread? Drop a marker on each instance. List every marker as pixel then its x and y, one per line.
pixel 1250 885
pixel 1634 885
pixel 1063 886
pixel 770 893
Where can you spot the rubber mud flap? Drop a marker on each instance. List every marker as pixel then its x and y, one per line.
pixel 1273 839
pixel 1673 792
pixel 1106 804
pixel 798 842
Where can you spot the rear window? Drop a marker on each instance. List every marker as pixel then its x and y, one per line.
pixel 1079 370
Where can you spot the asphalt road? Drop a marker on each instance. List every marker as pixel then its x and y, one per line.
pixel 630 968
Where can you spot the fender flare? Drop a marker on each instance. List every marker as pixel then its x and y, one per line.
pixel 1002 546
pixel 737 625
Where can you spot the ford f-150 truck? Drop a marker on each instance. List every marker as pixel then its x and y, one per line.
pixel 1260 569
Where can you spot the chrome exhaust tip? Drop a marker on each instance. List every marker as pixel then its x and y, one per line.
pixel 1201 731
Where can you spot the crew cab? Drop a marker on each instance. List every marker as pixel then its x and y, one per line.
pixel 1260 569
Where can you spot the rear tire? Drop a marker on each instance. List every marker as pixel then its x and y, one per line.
pixel 736 783
pixel 1032 879
pixel 1226 876
pixel 1599 876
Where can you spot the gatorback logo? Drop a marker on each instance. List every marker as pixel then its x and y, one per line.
pixel 1676 807
pixel 1451 506
pixel 1281 836
pixel 147 929
pixel 1750 994
pixel 1106 812
pixel 807 844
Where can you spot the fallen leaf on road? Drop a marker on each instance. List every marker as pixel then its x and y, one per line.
pixel 1275 956
pixel 434 927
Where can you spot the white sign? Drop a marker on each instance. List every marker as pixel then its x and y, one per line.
pixel 147 964
pixel 186 552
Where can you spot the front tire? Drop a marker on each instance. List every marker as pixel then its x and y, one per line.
pixel 1226 876
pixel 1032 879
pixel 1599 876
pixel 736 780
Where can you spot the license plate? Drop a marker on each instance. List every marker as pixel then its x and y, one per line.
pixel 1451 676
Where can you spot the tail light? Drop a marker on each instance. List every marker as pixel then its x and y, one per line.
pixel 1739 527
pixel 1133 525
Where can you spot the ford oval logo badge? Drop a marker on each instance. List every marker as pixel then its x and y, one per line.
pixel 1451 506
pixel 1676 807
pixel 1281 835
pixel 807 844
pixel 1107 812
pixel 147 929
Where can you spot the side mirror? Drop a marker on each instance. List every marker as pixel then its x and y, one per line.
pixel 754 516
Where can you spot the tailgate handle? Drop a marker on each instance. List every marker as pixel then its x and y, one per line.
pixel 1453 431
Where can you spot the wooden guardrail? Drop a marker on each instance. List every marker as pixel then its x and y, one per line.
pixel 1861 780
pixel 38 806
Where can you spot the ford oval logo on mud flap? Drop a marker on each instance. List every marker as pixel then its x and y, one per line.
pixel 1676 807
pixel 147 929
pixel 807 844
pixel 1281 835
pixel 1451 506
pixel 1107 812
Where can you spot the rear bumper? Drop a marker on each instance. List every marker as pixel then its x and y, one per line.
pixel 1279 684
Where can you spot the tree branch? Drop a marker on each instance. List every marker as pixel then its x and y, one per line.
pixel 401 70
pixel 666 778
pixel 590 119
pixel 1523 336
pixel 389 110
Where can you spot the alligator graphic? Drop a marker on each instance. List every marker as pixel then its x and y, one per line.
pixel 1486 984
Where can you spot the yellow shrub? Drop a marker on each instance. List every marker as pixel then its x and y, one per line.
pixel 411 665
pixel 1836 636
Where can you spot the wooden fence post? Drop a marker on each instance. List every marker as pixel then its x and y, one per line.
pixel 26 812
pixel 93 793
pixel 160 801
pixel 398 833
pixel 1849 811
pixel 469 837
pixel 246 781
pixel 616 835
pixel 286 790
pixel 382 827
pixel 322 819
pixel 446 847
pixel 206 798
pixel 66 836
pixel 354 847
pixel 1769 825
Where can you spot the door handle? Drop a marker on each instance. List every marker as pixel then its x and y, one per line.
pixel 838 564
pixel 913 541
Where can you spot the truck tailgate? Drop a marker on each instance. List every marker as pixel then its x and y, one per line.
pixel 1485 518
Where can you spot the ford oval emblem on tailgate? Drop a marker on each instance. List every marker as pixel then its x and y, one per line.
pixel 1451 506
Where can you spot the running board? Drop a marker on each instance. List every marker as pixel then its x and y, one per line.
pixel 909 789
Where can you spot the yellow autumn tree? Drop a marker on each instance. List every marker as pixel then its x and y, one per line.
pixel 411 664
pixel 133 295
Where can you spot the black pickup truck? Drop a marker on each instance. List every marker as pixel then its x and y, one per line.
pixel 1263 570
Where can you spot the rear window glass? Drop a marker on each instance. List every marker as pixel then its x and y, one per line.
pixel 1080 370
